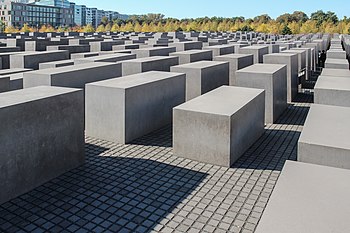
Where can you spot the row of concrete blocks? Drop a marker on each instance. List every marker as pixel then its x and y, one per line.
pixel 319 203
pixel 122 109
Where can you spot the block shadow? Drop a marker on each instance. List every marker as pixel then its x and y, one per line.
pixel 107 194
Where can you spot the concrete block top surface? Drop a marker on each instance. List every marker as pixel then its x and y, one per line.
pixel 335 72
pixel 219 46
pixel 107 56
pixel 327 126
pixel 200 64
pixel 308 198
pixel 31 94
pixel 189 52
pixel 334 83
pixel 280 55
pixel 65 69
pixel 225 100
pixel 14 70
pixel 255 47
pixel 136 79
pixel 294 51
pixel 154 48
pixel 262 68
pixel 149 59
pixel 234 55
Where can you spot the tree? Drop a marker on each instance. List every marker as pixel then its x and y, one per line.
pixel 26 28
pixel 101 28
pixel 88 28
pixel 108 28
pixel 299 16
pixel 246 28
pixel 104 21
pixel 115 28
pixel 11 29
pixel 320 17
pixel 262 18
pixel 286 30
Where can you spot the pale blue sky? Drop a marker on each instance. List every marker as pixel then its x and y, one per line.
pixel 223 8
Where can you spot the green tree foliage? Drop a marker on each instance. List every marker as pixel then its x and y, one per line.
pixel 286 30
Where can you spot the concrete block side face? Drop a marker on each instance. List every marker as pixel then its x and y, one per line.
pixel 247 126
pixel 16 61
pixel 245 61
pixel 105 113
pixel 129 68
pixel 193 81
pixel 279 93
pixel 160 65
pixel 260 81
pixel 332 97
pixel 4 84
pixel 33 80
pixel 201 137
pixel 49 141
pixel 214 77
pixel 78 78
pixel 323 155
pixel 149 107
pixel 204 56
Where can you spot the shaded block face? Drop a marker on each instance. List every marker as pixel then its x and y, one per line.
pixel 43 143
pixel 219 126
pixel 301 57
pixel 237 62
pixel 116 57
pixel 153 51
pixel 104 45
pixel 273 79
pixel 335 72
pixel 257 51
pixel 190 56
pixel 203 76
pixel 4 83
pixel 332 91
pixel 156 63
pixel 291 60
pixel 188 45
pixel 72 76
pixel 219 50
pixel 55 64
pixel 337 63
pixel 325 137
pixel 31 60
pixel 315 197
pixel 121 110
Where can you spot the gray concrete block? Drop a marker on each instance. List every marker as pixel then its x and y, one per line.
pixel 308 198
pixel 194 55
pixel 237 62
pixel 257 51
pixel 203 76
pixel 55 64
pixel 84 55
pixel 219 50
pixel 32 60
pixel 72 76
pixel 337 63
pixel 153 51
pixel 5 59
pixel 4 83
pixel 219 126
pixel 43 143
pixel 115 57
pixel 273 79
pixel 97 46
pixel 332 90
pixel 123 109
pixel 325 137
pixel 291 60
pixel 335 72
pixel 336 53
pixel 125 47
pixel 156 63
pixel 187 45
pixel 301 57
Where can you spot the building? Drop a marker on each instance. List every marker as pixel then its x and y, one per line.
pixel 52 12
pixel 18 13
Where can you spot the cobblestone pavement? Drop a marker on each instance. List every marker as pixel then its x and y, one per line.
pixel 143 187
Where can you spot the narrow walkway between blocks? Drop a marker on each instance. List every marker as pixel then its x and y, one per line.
pixel 143 187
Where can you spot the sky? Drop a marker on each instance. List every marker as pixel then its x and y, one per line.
pixel 220 8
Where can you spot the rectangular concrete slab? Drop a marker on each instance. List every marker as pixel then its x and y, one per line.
pixel 308 198
pixel 72 76
pixel 337 63
pixel 193 55
pixel 257 51
pixel 325 137
pixel 332 91
pixel 219 126
pixel 32 60
pixel 203 76
pixel 335 72
pixel 115 57
pixel 42 137
pixel 156 63
pixel 237 62
pixel 121 110
pixel 273 79
pixel 153 51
